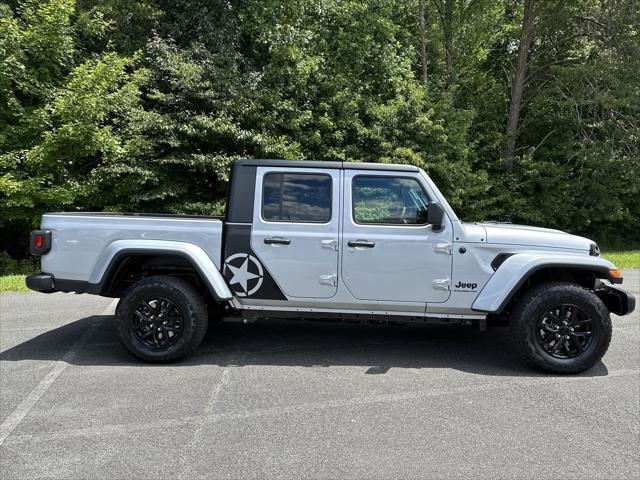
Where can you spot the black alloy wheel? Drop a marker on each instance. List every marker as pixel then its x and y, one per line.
pixel 564 331
pixel 560 327
pixel 162 318
pixel 157 323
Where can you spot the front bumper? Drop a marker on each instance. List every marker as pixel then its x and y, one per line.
pixel 616 299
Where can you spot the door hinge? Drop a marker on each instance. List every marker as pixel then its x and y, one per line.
pixel 443 248
pixel 329 280
pixel 331 244
pixel 441 284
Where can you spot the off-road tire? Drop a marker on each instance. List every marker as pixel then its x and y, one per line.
pixel 190 303
pixel 534 303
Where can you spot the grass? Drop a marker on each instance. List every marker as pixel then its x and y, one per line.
pixel 623 258
pixel 13 283
pixel 620 258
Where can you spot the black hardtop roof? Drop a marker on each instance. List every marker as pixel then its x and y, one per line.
pixel 327 164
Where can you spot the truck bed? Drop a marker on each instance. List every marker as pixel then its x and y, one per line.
pixel 136 214
pixel 82 236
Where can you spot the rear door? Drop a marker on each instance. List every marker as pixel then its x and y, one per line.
pixel 295 228
pixel 390 253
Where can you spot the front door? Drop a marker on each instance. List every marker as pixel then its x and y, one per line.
pixel 295 228
pixel 390 253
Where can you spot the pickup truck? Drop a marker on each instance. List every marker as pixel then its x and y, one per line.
pixel 334 240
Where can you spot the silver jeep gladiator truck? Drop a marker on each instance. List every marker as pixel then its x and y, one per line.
pixel 334 240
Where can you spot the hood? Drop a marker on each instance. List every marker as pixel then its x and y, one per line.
pixel 508 234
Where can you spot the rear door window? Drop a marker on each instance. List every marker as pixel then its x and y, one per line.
pixel 296 197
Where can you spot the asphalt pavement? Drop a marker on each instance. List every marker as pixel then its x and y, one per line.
pixel 303 399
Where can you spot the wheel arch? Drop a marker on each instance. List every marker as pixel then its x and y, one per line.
pixel 125 261
pixel 520 272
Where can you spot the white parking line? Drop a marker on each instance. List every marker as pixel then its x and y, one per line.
pixel 185 471
pixel 21 411
pixel 301 408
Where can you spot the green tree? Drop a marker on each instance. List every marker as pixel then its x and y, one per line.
pixel 142 105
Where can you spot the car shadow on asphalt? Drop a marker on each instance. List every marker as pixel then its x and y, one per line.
pixel 305 343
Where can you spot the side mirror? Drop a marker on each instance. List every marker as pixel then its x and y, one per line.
pixel 435 214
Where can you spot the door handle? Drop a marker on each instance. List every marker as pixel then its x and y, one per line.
pixel 361 243
pixel 277 241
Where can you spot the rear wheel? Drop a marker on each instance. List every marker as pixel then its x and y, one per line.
pixel 561 327
pixel 161 319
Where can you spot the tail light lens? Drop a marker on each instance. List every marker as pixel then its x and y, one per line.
pixel 40 242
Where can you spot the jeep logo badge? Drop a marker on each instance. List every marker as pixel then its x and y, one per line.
pixel 467 286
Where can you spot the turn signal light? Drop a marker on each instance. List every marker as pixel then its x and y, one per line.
pixel 615 273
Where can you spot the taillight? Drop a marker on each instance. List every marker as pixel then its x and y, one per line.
pixel 40 242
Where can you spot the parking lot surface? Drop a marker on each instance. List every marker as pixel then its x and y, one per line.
pixel 291 399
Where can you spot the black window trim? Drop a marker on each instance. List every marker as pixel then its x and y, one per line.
pixel 410 225
pixel 284 172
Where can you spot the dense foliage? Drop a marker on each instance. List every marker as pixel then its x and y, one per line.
pixel 142 105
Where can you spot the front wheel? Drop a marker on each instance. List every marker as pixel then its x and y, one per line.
pixel 561 327
pixel 161 319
